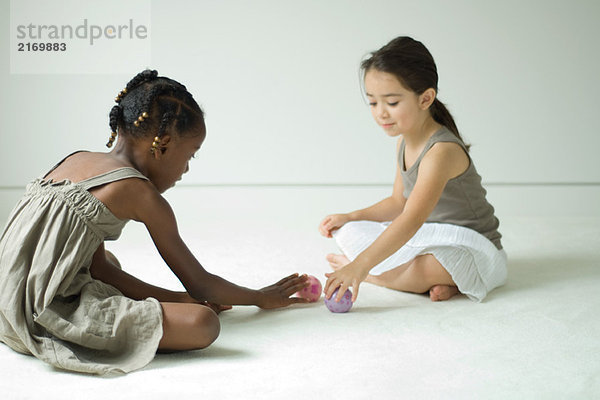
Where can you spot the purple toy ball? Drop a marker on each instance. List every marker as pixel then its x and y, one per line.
pixel 343 305
pixel 313 291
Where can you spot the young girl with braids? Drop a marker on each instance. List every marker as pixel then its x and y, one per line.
pixel 436 233
pixel 64 298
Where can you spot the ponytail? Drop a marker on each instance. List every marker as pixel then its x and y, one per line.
pixel 442 116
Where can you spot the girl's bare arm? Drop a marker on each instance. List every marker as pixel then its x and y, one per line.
pixel 107 270
pixel 382 211
pixel 443 162
pixel 146 205
pixel 437 167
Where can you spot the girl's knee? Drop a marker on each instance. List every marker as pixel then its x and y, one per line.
pixel 188 327
pixel 359 228
pixel 112 259
pixel 355 236
pixel 206 326
pixel 349 229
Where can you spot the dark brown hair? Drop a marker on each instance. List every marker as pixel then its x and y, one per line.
pixel 413 65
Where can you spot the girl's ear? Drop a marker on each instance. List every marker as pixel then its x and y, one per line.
pixel 427 98
pixel 162 146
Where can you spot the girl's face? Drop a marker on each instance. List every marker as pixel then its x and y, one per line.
pixel 174 160
pixel 396 109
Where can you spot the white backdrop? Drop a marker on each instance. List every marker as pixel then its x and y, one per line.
pixel 278 80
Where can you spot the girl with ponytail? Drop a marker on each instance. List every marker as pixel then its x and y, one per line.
pixel 436 233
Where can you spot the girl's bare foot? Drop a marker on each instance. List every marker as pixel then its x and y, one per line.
pixel 442 292
pixel 337 261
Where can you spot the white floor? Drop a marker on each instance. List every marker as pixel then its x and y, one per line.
pixel 537 337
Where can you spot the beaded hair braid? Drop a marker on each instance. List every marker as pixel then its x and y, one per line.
pixel 150 106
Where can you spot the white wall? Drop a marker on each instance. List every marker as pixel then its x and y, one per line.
pixel 278 80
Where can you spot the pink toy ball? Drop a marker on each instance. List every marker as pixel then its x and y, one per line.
pixel 313 291
pixel 344 305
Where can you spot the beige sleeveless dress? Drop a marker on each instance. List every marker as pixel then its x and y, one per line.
pixel 50 306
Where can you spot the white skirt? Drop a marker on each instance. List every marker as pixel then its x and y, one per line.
pixel 475 264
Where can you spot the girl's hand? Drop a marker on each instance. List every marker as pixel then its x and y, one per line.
pixel 350 275
pixel 331 223
pixel 278 295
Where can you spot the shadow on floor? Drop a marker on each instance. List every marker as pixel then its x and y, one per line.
pixel 165 360
pixel 526 273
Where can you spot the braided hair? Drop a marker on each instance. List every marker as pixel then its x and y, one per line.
pixel 151 105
